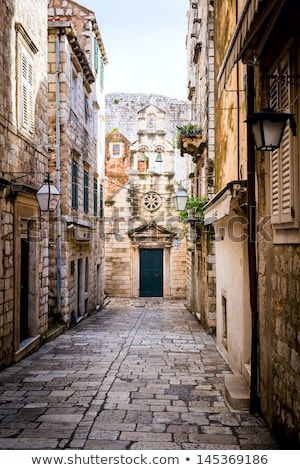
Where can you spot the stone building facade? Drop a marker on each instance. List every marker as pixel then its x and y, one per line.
pixel 117 161
pixel 257 66
pixel 200 163
pixel 76 134
pixel 226 217
pixel 144 241
pixel 23 167
pixel 51 125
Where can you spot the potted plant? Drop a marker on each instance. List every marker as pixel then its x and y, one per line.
pixel 189 138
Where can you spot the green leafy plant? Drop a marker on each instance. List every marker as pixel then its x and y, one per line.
pixel 189 129
pixel 194 209
pixel 188 138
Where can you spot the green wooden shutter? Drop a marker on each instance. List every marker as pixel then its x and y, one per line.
pixel 86 191
pixel 74 185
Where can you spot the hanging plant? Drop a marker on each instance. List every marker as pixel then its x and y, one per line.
pixel 189 138
pixel 189 129
pixel 194 210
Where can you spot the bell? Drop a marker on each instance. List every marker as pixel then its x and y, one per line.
pixel 159 158
pixel 143 157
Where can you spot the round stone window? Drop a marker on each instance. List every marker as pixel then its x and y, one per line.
pixel 151 201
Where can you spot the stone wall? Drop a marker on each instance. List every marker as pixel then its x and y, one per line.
pixel 81 270
pixel 128 119
pixel 125 213
pixel 23 163
pixel 121 112
pixel 117 165
pixel 279 329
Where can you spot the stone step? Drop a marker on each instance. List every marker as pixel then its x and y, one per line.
pixel 237 392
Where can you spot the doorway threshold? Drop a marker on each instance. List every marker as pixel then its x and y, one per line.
pixel 27 347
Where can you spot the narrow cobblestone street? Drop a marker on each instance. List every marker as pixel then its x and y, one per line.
pixel 139 374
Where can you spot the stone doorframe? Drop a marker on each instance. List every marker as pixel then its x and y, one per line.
pixel 27 218
pixel 151 236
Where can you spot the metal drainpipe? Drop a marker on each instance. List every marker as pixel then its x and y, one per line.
pixel 58 261
pixel 254 399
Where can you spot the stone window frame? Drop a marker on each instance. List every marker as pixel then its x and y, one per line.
pixel 113 147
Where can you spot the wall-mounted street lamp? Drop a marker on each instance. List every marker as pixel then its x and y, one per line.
pixel 268 127
pixel 48 196
pixel 180 198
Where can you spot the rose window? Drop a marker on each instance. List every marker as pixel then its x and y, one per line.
pixel 151 201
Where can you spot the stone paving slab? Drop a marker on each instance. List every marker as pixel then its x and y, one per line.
pixel 139 374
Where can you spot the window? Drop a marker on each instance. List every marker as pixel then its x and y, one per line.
pixel 86 191
pixel 96 55
pixel 26 51
pixel 86 275
pixel 95 197
pixel 224 319
pixel 74 184
pixel 151 201
pixel 101 72
pixel 101 209
pixel 87 109
pixel 116 150
pixel 74 89
pixel 95 121
pixel 283 160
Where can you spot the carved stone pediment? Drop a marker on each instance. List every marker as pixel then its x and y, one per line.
pixel 152 235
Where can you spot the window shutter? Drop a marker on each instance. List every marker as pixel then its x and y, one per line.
pixel 101 72
pixel 26 92
pixel 86 191
pixel 96 55
pixel 74 185
pixel 95 197
pixel 282 158
pixel 275 186
pixel 286 178
pixel 101 208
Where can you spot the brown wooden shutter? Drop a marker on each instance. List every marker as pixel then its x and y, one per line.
pixel 282 158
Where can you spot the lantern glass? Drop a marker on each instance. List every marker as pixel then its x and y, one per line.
pixel 48 196
pixel 268 127
pixel 267 134
pixel 180 199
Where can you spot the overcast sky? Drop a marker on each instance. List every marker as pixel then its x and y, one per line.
pixel 145 45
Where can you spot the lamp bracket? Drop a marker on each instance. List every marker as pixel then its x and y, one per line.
pixel 285 77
